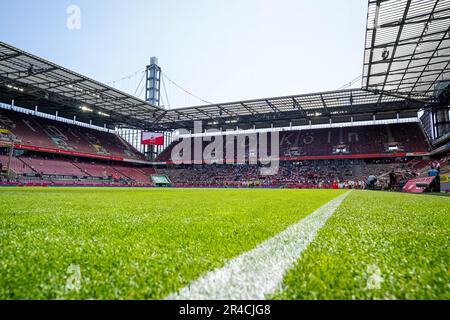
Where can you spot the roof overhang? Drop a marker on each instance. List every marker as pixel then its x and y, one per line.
pixel 321 105
pixel 407 48
pixel 23 75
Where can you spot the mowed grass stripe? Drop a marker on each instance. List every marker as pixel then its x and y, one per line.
pixel 259 272
pixel 133 243
pixel 377 246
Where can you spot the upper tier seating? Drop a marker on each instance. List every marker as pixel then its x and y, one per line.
pixel 374 139
pixel 34 131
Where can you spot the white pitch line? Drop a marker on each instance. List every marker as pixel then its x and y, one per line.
pixel 260 272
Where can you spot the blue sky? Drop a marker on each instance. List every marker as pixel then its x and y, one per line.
pixel 221 50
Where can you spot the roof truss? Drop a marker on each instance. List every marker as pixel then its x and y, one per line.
pixel 407 48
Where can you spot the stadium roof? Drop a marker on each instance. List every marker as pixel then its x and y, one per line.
pixel 306 106
pixel 407 49
pixel 23 75
pixel 406 65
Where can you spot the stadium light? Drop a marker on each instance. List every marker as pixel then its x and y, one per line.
pixel 385 54
pixel 14 87
pixel 103 114
pixel 87 109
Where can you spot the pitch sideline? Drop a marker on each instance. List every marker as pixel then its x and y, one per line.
pixel 260 271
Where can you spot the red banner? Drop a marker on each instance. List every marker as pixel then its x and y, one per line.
pixel 418 185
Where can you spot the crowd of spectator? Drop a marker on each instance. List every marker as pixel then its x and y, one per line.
pixel 385 174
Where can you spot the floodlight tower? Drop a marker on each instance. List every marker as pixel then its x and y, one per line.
pixel 153 82
pixel 152 96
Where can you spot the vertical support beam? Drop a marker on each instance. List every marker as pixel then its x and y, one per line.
pixel 433 116
pixel 11 152
pixel 153 82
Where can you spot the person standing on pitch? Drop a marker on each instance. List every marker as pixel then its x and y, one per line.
pixel 392 180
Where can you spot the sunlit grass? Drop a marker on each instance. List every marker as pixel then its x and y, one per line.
pixel 377 246
pixel 74 243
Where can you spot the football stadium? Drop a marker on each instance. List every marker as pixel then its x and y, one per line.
pixel 332 195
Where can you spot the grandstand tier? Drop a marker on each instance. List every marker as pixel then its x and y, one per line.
pixel 312 158
pixel 26 167
pixel 347 173
pixel 372 141
pixel 47 135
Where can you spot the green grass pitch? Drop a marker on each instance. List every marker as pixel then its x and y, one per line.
pixel 378 246
pixel 75 243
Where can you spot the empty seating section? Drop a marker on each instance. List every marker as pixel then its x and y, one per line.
pixel 134 174
pixel 46 133
pixel 32 166
pixel 17 166
pixel 411 136
pixel 98 170
pixel 364 140
pixel 308 142
pixel 148 171
pixel 52 167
